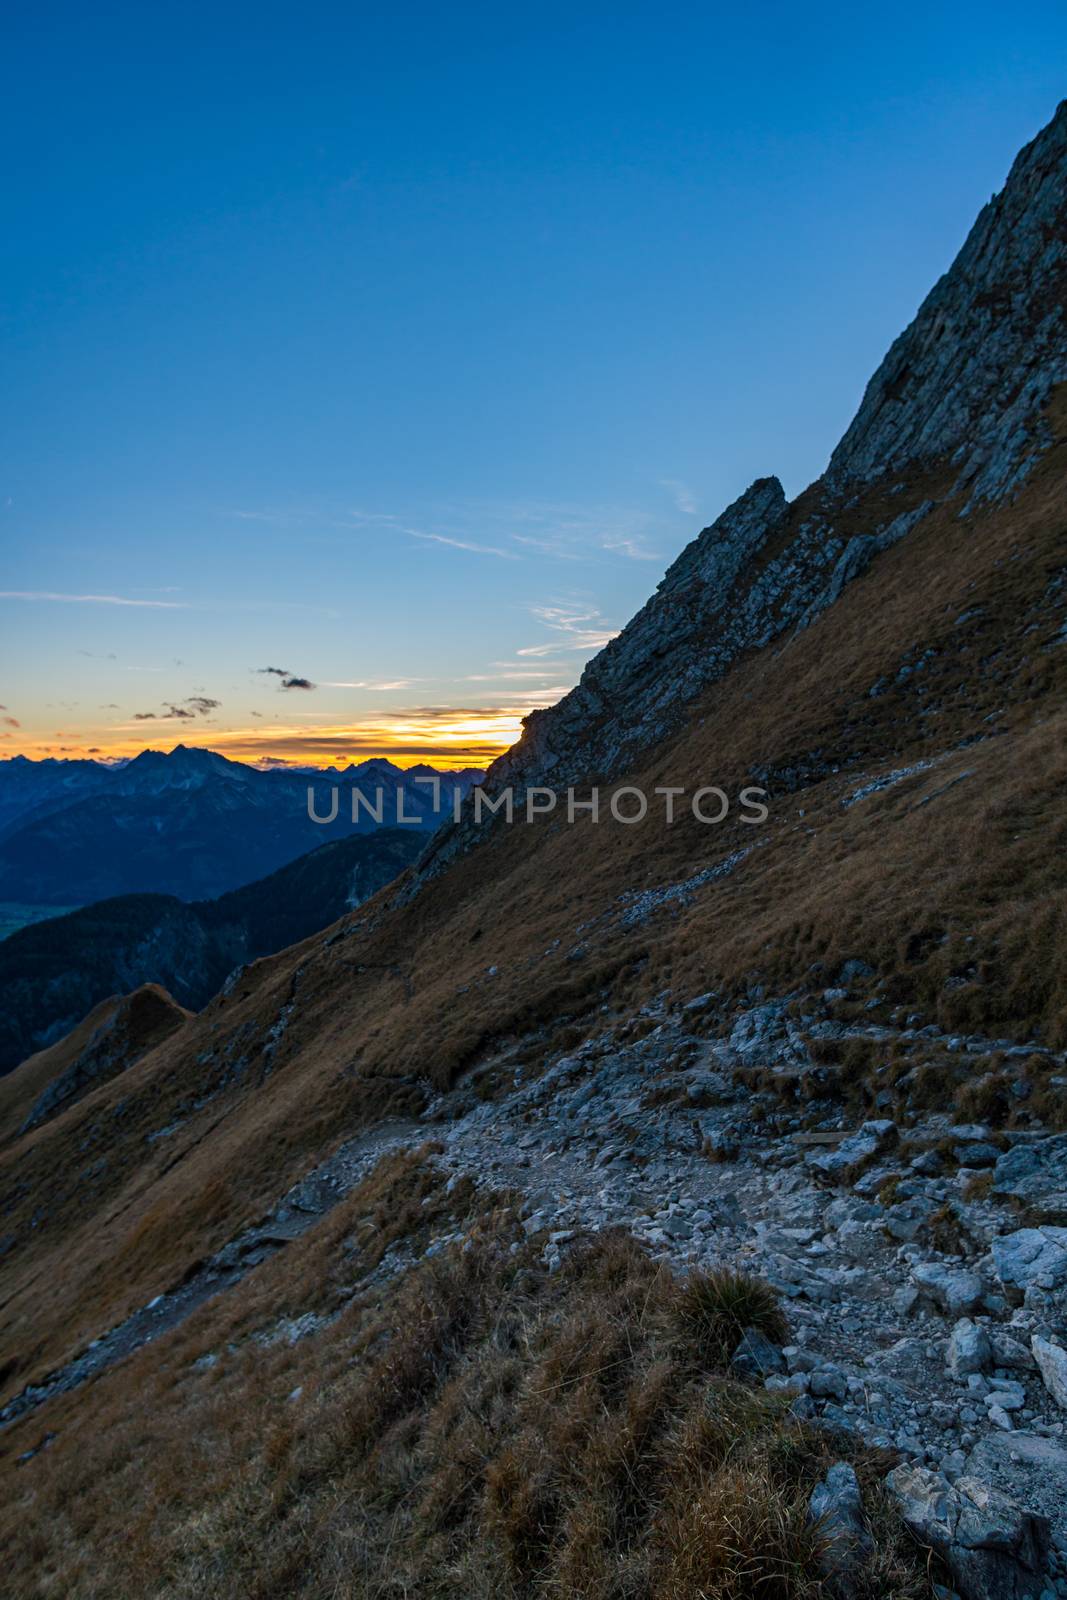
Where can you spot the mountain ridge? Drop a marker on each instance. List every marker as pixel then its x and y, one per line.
pixel 52 973
pixel 187 822
pixel 408 1233
pixel 767 565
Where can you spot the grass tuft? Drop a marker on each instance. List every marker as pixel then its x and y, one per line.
pixel 713 1309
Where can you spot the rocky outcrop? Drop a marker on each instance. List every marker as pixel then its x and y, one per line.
pixel 968 379
pixel 963 389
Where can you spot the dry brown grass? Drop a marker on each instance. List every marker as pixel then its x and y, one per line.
pixel 954 894
pixel 478 1427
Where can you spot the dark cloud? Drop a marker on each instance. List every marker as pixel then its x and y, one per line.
pixel 289 680
pixel 197 705
pixel 12 722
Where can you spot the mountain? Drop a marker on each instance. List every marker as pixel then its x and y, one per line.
pixel 666 1209
pixel 189 823
pixel 52 973
pixel 33 788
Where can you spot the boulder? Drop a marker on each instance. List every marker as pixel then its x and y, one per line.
pixel 1035 1177
pixel 993 1548
pixel 1028 1466
pixel 1009 1353
pixel 852 1154
pixel 828 1382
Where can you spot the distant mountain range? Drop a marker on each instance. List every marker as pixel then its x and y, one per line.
pixel 189 823
pixel 54 972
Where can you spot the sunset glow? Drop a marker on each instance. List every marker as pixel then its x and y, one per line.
pixel 444 736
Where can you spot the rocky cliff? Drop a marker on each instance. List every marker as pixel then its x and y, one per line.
pixel 954 411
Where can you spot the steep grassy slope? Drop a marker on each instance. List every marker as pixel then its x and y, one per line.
pixel 949 883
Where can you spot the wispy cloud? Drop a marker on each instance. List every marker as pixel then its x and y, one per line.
pixel 576 628
pixel 681 494
pixel 633 549
pixel 91 599
pixel 463 544
pixel 197 705
pixel 375 685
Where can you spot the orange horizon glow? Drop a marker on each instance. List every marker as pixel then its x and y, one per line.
pixel 440 735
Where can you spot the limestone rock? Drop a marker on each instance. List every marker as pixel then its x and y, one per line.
pixel 969 1349
pixel 1052 1364
pixel 994 1549
pixel 955 1290
pixel 837 1505
pixel 1035 1177
pixel 756 1356
pixel 854 1152
pixel 1031 1258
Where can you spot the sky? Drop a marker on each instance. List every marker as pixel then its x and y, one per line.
pixel 365 366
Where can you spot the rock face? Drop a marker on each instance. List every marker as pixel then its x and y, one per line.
pixel 968 379
pixel 962 390
pixel 994 1549
pixel 683 637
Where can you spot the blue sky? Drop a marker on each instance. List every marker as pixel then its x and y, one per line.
pixel 402 348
